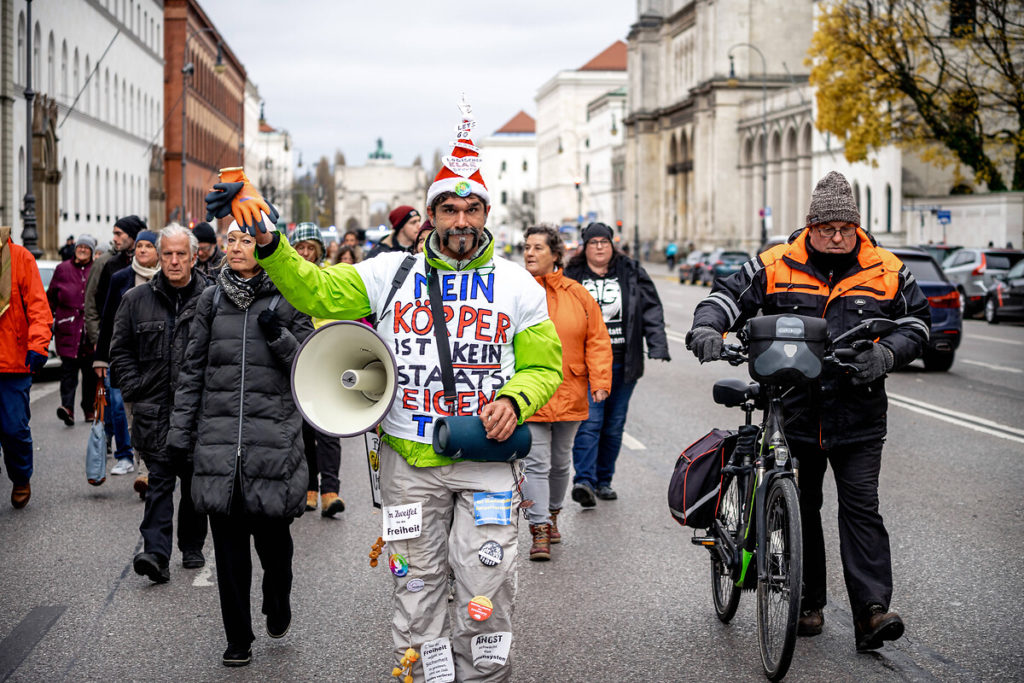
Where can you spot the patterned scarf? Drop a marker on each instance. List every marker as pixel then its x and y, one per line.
pixel 238 289
pixel 6 280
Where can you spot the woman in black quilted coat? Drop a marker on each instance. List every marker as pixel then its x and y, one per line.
pixel 250 471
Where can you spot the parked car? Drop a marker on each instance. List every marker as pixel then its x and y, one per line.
pixel 46 270
pixel 973 272
pixel 944 301
pixel 722 263
pixel 773 241
pixel 1005 298
pixel 939 252
pixel 689 269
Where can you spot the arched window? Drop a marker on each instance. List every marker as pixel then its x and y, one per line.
pixel 37 67
pixel 888 207
pixel 78 196
pixel 106 94
pixel 112 114
pixel 867 202
pixel 99 208
pixel 75 76
pixel 115 203
pixel 130 124
pixel 21 174
pixel 19 73
pixel 64 70
pixel 106 194
pixel 88 196
pixel 51 67
pixel 856 194
pixel 62 210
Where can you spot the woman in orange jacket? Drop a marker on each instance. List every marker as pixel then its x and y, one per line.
pixel 586 355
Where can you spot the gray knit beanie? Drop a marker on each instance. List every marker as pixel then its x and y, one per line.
pixel 832 200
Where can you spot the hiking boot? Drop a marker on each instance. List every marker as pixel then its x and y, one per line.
pixel 278 625
pixel 606 492
pixel 583 493
pixel 541 548
pixel 141 485
pixel 123 466
pixel 554 535
pixel 153 566
pixel 311 500
pixel 876 626
pixel 20 495
pixel 810 623
pixel 192 559
pixel 331 504
pixel 237 655
pixel 66 414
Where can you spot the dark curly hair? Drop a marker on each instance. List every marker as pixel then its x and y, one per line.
pixel 554 240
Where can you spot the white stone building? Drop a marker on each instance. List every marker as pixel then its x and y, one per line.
pixel 509 167
pixel 269 156
pixel 93 157
pixel 375 189
pixel 563 141
pixel 602 192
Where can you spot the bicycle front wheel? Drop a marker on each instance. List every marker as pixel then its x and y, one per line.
pixel 778 590
pixel 724 590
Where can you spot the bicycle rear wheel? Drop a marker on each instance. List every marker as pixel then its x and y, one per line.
pixel 778 591
pixel 724 590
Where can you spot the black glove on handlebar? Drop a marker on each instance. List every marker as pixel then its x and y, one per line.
pixel 705 342
pixel 870 363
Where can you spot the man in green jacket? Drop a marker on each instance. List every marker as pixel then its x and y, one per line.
pixel 459 517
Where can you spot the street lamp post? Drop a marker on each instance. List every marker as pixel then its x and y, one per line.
pixel 29 235
pixel 579 207
pixel 764 131
pixel 187 69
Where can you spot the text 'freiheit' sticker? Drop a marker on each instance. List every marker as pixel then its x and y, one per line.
pixel 403 521
pixel 438 665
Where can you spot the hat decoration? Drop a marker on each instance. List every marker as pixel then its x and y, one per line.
pixel 460 172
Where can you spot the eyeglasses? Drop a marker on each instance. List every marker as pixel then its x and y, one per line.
pixel 600 243
pixel 830 231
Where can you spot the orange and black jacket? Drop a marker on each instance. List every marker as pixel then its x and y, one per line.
pixel 832 412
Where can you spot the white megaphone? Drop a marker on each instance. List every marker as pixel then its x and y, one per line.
pixel 343 378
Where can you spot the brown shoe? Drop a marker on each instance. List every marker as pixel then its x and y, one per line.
pixel 67 415
pixel 330 504
pixel 20 495
pixel 541 548
pixel 141 485
pixel 876 626
pixel 810 623
pixel 554 535
pixel 311 500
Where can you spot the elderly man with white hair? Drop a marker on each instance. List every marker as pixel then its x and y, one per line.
pixel 151 333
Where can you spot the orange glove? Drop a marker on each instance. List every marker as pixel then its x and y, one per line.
pixel 247 206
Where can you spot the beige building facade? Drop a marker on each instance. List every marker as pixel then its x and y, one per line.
pixel 375 189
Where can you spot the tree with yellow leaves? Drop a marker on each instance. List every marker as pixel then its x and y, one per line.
pixel 942 78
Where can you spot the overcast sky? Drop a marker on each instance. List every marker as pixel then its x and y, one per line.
pixel 338 74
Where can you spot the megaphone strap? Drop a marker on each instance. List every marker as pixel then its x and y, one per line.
pixel 444 351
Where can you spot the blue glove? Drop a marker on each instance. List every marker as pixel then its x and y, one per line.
pixel 35 361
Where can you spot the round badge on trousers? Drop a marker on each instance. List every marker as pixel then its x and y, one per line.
pixel 480 608
pixel 399 566
pixel 414 585
pixel 491 553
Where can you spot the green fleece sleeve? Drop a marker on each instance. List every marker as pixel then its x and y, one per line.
pixel 337 293
pixel 538 368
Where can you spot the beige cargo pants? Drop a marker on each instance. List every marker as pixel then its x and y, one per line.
pixel 450 538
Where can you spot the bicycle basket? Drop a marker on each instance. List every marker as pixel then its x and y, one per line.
pixel 786 349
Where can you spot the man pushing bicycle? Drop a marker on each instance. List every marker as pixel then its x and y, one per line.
pixel 835 270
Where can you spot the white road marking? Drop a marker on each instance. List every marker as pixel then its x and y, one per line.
pixel 203 577
pixel 983 337
pixel 675 336
pixel 631 443
pixel 41 391
pixel 978 424
pixel 990 366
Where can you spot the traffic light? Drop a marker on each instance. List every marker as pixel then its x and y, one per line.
pixel 618 224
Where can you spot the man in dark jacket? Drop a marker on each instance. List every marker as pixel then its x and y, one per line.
pixel 405 223
pixel 210 256
pixel 633 314
pixel 833 270
pixel 151 332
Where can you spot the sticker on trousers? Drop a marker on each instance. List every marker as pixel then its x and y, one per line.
pixel 493 507
pixel 491 647
pixel 438 665
pixel 403 521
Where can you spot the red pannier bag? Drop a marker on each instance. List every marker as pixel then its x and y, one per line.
pixel 695 489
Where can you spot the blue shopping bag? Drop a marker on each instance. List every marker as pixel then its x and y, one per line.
pixel 96 451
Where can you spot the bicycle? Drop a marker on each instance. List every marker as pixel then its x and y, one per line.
pixel 755 541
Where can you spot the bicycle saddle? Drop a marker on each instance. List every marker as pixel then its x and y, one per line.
pixel 734 392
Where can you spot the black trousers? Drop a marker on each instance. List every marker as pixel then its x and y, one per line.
pixel 863 540
pixel 323 458
pixel 157 520
pixel 70 368
pixel 273 541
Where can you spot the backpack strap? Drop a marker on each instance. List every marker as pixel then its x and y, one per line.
pixel 274 302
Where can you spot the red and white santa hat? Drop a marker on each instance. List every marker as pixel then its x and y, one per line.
pixel 460 170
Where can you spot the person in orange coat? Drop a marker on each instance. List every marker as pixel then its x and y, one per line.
pixel 25 331
pixel 586 355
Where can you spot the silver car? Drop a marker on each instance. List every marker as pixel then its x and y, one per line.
pixel 973 271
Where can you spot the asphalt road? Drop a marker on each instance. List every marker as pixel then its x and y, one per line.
pixel 625 598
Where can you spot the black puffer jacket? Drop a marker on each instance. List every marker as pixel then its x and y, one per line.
pixel 150 333
pixel 235 396
pixel 644 317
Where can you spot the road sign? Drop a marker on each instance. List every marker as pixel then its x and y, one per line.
pixel 943 217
